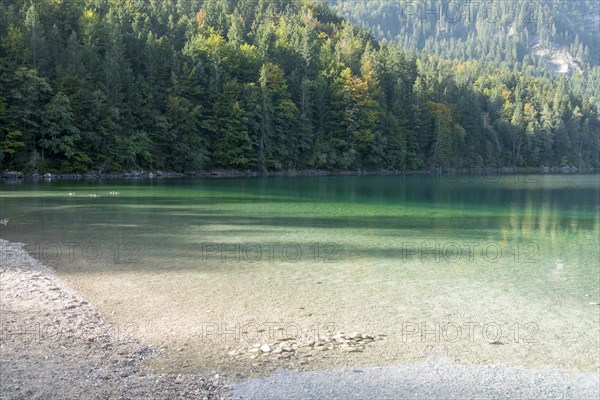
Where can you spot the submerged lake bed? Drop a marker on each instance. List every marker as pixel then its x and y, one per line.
pixel 329 272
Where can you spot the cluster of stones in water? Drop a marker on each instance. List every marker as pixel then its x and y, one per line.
pixel 287 347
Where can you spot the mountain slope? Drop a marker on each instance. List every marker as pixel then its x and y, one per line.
pixel 559 37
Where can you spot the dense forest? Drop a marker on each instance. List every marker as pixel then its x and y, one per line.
pixel 501 31
pixel 264 85
pixel 539 37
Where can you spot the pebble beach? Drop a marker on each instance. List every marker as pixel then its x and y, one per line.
pixel 56 345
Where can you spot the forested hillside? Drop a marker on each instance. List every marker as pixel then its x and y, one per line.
pixel 187 85
pixel 538 37
pixel 515 33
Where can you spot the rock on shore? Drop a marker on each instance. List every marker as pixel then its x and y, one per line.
pixel 307 346
pixel 54 344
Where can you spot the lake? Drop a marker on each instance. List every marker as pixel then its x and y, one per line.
pixel 480 269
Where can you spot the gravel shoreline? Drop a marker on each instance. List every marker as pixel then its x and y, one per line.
pixel 433 379
pixel 55 345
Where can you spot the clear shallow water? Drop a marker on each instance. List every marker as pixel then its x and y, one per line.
pixel 375 254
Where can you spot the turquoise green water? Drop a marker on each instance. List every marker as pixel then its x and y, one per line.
pixel 276 244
